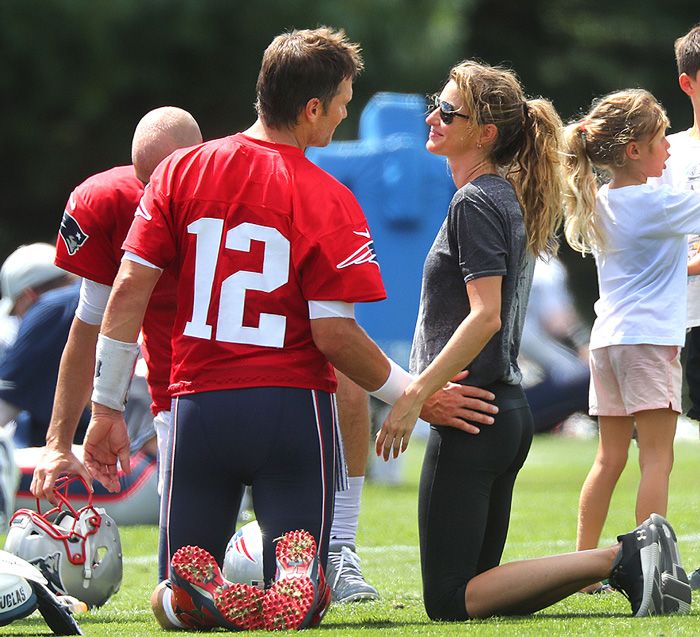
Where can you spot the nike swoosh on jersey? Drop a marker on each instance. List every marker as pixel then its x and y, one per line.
pixel 142 212
pixel 362 233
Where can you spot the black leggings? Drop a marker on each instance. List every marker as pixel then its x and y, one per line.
pixel 465 494
pixel 692 371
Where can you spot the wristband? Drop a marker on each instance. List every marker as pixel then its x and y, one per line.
pixel 114 367
pixel 395 384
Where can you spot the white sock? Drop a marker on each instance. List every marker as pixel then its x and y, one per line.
pixel 168 608
pixel 347 512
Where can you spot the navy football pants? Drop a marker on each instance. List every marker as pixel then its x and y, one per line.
pixel 279 440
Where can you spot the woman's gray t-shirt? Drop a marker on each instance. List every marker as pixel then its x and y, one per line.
pixel 483 235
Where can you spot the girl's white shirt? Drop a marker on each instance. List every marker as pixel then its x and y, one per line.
pixel 642 272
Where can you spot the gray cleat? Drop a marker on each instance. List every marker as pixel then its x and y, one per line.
pixel 345 577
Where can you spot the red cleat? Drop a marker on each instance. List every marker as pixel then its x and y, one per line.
pixel 205 599
pixel 296 599
pixel 288 603
pixel 323 600
pixel 242 606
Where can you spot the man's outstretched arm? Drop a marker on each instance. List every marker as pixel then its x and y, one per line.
pixel 107 440
pixel 72 394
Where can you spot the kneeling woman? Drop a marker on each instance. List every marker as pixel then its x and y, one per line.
pixel 504 153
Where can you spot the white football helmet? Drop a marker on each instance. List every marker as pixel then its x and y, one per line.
pixel 243 561
pixel 78 551
pixel 23 588
pixel 17 598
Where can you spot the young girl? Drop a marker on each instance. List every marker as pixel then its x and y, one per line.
pixel 503 151
pixel 637 233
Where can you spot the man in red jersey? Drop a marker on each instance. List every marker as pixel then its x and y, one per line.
pixel 270 253
pixel 95 222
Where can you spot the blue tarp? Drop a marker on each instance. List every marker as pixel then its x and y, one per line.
pixel 404 192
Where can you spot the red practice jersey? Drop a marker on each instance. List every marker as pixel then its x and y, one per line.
pixel 94 225
pixel 253 231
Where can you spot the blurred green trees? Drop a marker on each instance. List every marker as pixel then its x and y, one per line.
pixel 76 75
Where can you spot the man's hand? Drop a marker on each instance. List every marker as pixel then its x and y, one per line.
pixel 107 441
pixel 450 406
pixel 459 406
pixel 52 464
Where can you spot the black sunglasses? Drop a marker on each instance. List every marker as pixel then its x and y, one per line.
pixel 447 111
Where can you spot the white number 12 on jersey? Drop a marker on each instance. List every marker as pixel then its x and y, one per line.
pixel 275 273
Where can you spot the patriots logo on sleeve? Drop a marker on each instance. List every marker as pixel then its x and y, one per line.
pixel 71 233
pixel 364 254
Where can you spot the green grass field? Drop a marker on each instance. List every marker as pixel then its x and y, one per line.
pixel 543 522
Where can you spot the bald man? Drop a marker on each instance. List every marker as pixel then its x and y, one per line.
pixel 159 133
pixel 95 222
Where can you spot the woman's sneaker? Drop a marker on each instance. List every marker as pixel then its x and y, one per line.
pixel 299 597
pixel 675 586
pixel 205 599
pixel 636 572
pixel 695 579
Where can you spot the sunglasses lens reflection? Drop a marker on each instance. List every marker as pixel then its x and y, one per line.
pixel 447 111
pixel 446 116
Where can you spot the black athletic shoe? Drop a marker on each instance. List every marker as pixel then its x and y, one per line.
pixel 675 586
pixel 695 579
pixel 637 570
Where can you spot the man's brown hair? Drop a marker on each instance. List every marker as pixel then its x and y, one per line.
pixel 687 50
pixel 299 66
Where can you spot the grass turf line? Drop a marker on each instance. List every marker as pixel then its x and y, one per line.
pixel 543 522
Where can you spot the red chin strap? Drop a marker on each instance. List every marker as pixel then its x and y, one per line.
pixel 76 535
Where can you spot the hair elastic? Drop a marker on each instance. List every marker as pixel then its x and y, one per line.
pixel 582 130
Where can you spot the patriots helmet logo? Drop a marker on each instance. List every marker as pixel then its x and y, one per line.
pixel 239 545
pixel 71 233
pixel 243 561
pixel 364 254
pixel 49 566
